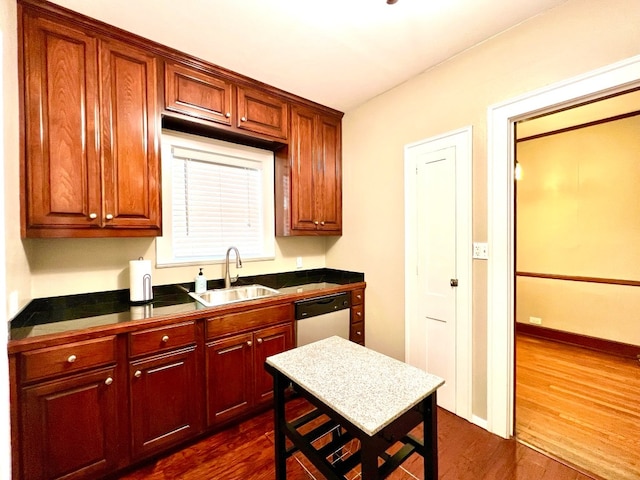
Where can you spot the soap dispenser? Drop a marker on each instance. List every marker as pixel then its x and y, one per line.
pixel 201 283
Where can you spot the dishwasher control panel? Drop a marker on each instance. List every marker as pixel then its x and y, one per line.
pixel 322 305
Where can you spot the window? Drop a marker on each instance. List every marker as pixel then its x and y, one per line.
pixel 215 195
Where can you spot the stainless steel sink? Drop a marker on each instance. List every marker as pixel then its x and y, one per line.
pixel 223 296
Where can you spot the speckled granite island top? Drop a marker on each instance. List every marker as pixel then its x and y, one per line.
pixel 366 387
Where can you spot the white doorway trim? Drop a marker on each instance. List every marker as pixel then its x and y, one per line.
pixel 462 141
pixel 501 268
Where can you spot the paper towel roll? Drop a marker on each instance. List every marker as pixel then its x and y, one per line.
pixel 140 289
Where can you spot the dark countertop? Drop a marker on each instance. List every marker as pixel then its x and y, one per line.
pixel 54 315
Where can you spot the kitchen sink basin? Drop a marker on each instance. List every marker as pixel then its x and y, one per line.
pixel 223 296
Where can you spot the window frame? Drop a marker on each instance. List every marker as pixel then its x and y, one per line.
pixel 164 244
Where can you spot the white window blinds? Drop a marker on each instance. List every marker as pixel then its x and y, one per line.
pixel 219 197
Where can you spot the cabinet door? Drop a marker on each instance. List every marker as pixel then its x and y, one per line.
pixel 269 341
pixel 198 94
pixel 70 427
pixel 304 170
pixel 229 378
pixel 262 113
pixel 61 170
pixel 164 401
pixel 130 137
pixel 329 177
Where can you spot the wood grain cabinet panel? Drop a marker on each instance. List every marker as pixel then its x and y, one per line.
pixel 268 341
pixel 261 113
pixel 70 427
pixel 309 176
pixel 91 162
pixel 164 399
pixel 61 174
pixel 229 378
pixel 130 158
pixel 199 94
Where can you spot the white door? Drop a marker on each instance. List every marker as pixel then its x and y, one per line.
pixel 436 267
pixel 438 239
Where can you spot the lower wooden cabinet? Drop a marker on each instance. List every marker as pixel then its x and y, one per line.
pixel 70 427
pixel 164 400
pixel 236 379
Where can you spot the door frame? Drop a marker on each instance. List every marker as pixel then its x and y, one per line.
pixel 461 139
pixel 501 268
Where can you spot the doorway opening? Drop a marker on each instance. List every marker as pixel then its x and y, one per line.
pixel 577 224
pixel 614 78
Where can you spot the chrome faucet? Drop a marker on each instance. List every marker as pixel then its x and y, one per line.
pixel 227 279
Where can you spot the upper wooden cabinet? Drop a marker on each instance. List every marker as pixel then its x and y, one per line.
pixel 309 176
pixel 214 98
pixel 91 163
pixel 201 95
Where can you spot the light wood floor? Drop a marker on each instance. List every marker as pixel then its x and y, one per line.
pixel 580 406
pixel 245 452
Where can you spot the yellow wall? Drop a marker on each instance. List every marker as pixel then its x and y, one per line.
pixel 579 215
pixel 576 37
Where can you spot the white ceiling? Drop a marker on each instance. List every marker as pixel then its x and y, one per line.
pixel 339 53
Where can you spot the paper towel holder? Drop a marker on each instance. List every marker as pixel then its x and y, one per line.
pixel 141 289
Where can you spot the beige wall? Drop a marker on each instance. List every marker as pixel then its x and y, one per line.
pixel 579 36
pixel 579 215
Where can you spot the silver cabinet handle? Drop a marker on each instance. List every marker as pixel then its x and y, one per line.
pixel 259 340
pixel 358 333
pixel 165 339
pixel 109 216
pixel 244 119
pixel 138 374
pixel 72 358
pixel 316 222
pixel 93 216
pixel 108 381
pixel 359 297
pixel 359 314
pixel 249 343
pixel 321 223
pixel 228 114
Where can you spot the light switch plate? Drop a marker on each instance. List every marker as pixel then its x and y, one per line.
pixel 480 250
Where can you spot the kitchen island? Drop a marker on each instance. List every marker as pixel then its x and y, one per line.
pixel 358 394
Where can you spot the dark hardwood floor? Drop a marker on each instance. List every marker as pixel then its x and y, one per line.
pixel 245 451
pixel 579 405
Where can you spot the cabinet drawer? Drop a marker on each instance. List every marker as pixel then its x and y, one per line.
pixel 357 297
pixel 356 333
pixel 162 338
pixel 47 362
pixel 258 318
pixel 357 314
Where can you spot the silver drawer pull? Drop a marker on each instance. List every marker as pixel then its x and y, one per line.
pixel 228 114
pixel 108 381
pixel 138 374
pixel 165 339
pixel 359 314
pixel 93 216
pixel 72 358
pixel 249 343
pixel 259 340
pixel 244 119
pixel 109 216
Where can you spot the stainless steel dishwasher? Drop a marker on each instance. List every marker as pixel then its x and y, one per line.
pixel 322 317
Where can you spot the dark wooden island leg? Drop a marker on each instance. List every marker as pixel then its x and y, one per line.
pixel 279 385
pixel 430 439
